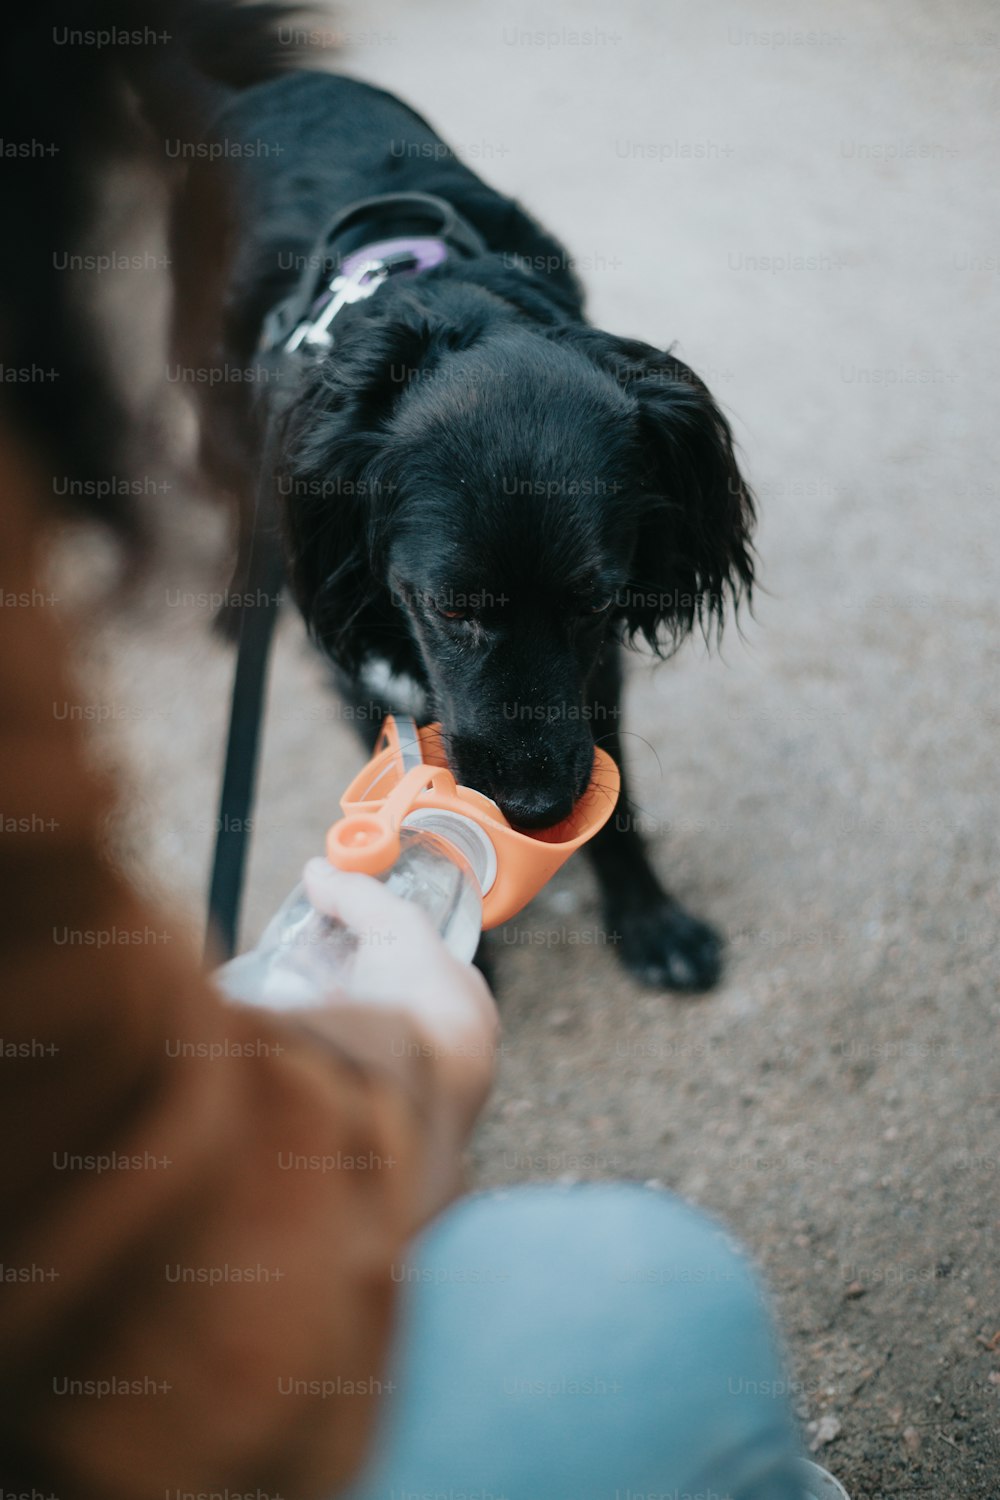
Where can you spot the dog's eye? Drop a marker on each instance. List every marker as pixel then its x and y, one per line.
pixel 452 614
pixel 599 606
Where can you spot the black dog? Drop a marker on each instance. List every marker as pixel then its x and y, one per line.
pixel 477 489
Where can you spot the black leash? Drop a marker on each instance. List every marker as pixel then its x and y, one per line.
pixel 258 616
pixel 257 620
pixel 259 609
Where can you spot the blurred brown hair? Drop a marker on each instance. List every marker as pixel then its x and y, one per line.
pixel 84 88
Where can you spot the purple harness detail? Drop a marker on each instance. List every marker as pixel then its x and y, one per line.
pixel 426 251
pixel 359 275
pixel 302 320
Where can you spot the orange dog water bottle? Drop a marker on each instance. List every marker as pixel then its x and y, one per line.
pixel 443 846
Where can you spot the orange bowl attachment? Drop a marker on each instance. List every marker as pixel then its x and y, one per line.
pixel 408 775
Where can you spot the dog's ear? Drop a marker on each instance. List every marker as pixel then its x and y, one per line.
pixel 693 511
pixel 336 489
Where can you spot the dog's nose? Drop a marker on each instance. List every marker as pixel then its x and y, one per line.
pixel 536 789
pixel 533 806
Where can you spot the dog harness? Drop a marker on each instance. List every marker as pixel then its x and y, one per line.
pixel 345 266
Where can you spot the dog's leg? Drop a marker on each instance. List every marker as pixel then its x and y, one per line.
pixel 660 942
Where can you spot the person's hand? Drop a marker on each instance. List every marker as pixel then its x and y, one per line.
pixel 401 964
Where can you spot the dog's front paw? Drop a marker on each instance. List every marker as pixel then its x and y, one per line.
pixel 666 948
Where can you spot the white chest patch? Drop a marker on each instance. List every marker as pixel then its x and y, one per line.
pixel 400 692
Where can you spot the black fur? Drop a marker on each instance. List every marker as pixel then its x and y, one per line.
pixel 471 448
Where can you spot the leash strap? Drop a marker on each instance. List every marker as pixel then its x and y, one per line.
pixel 232 837
pixel 258 616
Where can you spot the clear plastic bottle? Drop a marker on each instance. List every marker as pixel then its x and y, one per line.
pixel 302 955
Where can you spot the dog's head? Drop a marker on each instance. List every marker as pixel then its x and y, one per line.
pixel 486 505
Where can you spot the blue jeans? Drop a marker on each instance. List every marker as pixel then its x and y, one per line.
pixel 598 1342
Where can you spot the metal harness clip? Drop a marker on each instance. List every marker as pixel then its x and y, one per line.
pixel 359 283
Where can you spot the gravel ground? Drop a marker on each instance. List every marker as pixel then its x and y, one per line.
pixel 802 200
